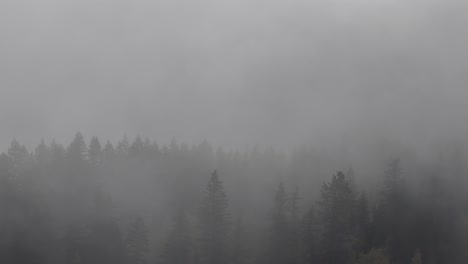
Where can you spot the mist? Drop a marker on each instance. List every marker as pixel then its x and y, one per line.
pixel 121 120
pixel 235 72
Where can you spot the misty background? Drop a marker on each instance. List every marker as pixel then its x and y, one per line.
pixel 334 73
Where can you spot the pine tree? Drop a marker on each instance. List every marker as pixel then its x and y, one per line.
pixel 391 221
pixel 214 222
pixel 108 151
pixel 94 151
pixel 19 155
pixel 136 149
pixel 177 249
pixel 42 153
pixel 77 149
pixel 336 208
pixel 137 242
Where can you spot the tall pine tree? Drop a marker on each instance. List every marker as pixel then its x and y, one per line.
pixel 214 223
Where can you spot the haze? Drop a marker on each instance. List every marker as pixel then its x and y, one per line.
pixel 237 73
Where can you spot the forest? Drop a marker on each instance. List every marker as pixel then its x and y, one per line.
pixel 136 202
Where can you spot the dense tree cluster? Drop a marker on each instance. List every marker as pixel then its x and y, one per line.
pixel 138 202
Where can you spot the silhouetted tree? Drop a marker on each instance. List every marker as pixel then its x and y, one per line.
pixel 336 207
pixel 214 223
pixel 94 151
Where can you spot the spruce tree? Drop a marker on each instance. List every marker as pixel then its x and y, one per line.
pixel 214 223
pixel 336 207
pixel 94 151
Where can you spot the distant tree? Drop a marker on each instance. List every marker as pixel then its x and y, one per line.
pixel 177 249
pixel 122 147
pixel 19 156
pixel 137 243
pixel 214 223
pixel 336 210
pixel 137 148
pixel 392 220
pixel 42 153
pixel 108 151
pixel 77 166
pixel 77 149
pixel 94 151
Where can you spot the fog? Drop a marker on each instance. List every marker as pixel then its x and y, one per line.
pixel 234 72
pixel 233 131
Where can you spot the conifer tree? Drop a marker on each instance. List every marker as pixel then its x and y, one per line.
pixel 214 223
pixel 108 151
pixel 94 151
pixel 336 208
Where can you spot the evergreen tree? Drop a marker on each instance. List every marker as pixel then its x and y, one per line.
pixel 108 151
pixel 94 151
pixel 77 149
pixel 137 242
pixel 137 148
pixel 391 220
pixel 214 223
pixel 42 153
pixel 336 208
pixel 19 156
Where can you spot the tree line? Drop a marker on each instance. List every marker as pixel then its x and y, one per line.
pixel 138 203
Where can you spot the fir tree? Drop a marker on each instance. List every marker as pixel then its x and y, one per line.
pixel 336 215
pixel 94 151
pixel 214 223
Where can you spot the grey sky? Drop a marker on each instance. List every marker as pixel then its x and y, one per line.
pixel 234 72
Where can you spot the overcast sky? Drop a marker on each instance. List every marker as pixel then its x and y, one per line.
pixel 235 72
